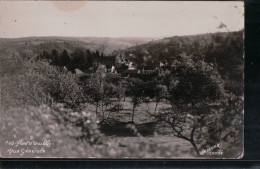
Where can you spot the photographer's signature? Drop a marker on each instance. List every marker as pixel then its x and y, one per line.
pixel 214 150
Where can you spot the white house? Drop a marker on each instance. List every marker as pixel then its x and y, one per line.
pixel 79 72
pixel 113 69
pixel 130 66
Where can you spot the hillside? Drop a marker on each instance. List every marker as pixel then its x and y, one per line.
pixel 103 44
pixel 223 50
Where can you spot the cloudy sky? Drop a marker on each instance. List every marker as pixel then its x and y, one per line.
pixel 118 18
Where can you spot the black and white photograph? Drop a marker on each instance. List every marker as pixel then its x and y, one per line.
pixel 122 79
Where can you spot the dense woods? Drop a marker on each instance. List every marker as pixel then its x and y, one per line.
pixel 189 87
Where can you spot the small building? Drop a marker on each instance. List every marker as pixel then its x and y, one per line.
pixel 161 64
pixel 79 72
pixel 64 68
pixel 130 66
pixel 113 69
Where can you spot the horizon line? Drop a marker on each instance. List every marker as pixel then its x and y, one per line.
pixel 150 37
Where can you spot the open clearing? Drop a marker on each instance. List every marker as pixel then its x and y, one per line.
pixel 117 131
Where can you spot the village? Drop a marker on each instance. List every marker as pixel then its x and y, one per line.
pixel 123 64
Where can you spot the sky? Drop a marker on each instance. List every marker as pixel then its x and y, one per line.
pixel 118 18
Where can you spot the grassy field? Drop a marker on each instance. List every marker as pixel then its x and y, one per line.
pixel 142 111
pixel 182 148
pixel 118 129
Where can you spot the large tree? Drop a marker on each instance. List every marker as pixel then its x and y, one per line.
pixel 195 88
pixel 65 58
pixel 104 93
pixel 79 59
pixel 55 57
pixel 160 92
pixel 135 91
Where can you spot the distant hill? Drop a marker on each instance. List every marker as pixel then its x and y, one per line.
pixel 191 44
pixel 223 50
pixel 103 44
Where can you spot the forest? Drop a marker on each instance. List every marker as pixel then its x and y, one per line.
pixel 173 97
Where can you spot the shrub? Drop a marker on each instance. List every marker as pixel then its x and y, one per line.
pixel 59 83
pixel 37 82
pixel 104 92
pixel 70 133
pixel 195 89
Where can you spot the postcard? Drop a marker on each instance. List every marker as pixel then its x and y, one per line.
pixel 121 79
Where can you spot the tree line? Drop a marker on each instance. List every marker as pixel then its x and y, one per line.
pixel 78 59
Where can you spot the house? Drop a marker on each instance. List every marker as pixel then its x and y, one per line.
pixel 130 66
pixel 161 64
pixel 113 69
pixel 64 68
pixel 79 72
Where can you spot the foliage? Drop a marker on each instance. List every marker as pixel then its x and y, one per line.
pixel 101 91
pixel 65 58
pixel 135 91
pixel 225 125
pixel 70 133
pixel 160 92
pixel 195 88
pixel 36 82
pixel 61 85
pixel 223 50
pixel 195 82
